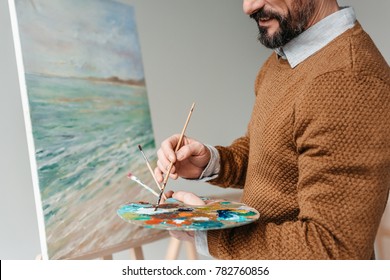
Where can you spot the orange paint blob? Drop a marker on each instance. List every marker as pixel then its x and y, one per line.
pixel 153 221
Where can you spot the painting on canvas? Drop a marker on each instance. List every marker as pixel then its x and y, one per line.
pixel 86 110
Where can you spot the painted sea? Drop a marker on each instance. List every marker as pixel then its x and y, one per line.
pixel 86 134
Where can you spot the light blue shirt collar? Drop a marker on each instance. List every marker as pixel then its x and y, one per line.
pixel 317 36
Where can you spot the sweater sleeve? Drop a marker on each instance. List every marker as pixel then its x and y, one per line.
pixel 233 164
pixel 341 133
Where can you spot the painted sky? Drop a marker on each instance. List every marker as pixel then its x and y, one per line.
pixel 79 38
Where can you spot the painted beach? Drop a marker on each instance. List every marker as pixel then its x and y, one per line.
pixel 86 135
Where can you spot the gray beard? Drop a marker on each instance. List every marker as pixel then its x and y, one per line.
pixel 289 27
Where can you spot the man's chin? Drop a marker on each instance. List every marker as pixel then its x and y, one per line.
pixel 277 37
pixel 269 40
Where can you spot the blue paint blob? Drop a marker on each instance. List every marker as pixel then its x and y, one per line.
pixel 133 207
pixel 226 214
pixel 204 225
pixel 249 213
pixel 229 215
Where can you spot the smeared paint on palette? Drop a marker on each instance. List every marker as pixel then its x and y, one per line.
pixel 174 215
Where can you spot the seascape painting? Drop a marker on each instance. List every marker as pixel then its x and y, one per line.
pixel 86 110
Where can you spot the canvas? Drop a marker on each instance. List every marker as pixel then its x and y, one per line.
pixel 86 110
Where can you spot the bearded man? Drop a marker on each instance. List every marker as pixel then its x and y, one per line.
pixel 315 160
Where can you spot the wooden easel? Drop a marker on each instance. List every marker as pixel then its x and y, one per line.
pixel 136 252
pixel 383 233
pixel 174 249
pixel 135 247
pixel 174 246
pixel 383 252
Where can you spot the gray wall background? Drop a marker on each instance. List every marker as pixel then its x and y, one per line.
pixel 193 51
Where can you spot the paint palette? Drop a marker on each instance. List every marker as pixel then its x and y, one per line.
pixel 175 215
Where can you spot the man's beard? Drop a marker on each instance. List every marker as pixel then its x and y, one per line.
pixel 289 27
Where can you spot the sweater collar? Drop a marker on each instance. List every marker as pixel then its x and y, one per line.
pixel 317 36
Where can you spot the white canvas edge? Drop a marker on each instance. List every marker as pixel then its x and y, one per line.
pixel 28 126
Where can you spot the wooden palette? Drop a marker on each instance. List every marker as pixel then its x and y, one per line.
pixel 175 215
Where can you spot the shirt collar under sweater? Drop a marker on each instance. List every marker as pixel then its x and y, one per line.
pixel 317 36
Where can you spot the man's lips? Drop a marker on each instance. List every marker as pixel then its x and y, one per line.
pixel 265 20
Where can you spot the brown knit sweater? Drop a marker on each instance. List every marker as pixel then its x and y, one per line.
pixel 315 161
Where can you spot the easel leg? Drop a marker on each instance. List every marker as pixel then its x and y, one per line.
pixel 191 251
pixel 173 249
pixel 137 253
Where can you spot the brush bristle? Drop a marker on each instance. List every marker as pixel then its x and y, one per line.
pixel 139 147
pixel 129 175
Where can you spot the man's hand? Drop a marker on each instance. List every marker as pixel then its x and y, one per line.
pixel 189 161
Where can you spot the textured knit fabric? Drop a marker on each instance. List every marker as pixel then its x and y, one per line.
pixel 315 161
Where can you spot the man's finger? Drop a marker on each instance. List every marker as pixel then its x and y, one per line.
pixel 188 198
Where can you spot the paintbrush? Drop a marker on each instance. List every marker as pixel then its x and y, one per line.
pixel 151 170
pixel 176 149
pixel 137 180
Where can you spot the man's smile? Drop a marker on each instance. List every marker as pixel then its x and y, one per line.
pixel 266 21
